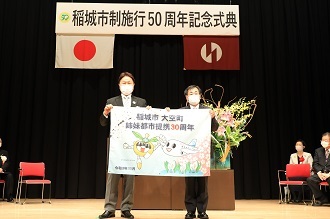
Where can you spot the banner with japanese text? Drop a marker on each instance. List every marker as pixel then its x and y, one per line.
pixel 157 142
pixel 154 19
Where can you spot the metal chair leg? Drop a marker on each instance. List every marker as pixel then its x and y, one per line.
pixel 18 185
pixel 280 201
pixel 20 193
pixel 42 193
pixel 303 194
pixel 286 194
pixel 50 189
pixel 25 193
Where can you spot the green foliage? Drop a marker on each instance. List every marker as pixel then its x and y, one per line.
pixel 233 119
pixel 144 139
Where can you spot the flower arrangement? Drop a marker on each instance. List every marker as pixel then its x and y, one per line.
pixel 233 119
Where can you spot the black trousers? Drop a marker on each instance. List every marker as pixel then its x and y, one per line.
pixel 8 177
pixel 196 195
pixel 297 194
pixel 313 183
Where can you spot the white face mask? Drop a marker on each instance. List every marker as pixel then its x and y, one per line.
pixel 324 144
pixel 126 89
pixel 299 148
pixel 194 99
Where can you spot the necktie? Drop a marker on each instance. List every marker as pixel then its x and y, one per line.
pixel 126 101
pixel 327 154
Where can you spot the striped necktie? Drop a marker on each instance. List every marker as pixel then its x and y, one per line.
pixel 127 101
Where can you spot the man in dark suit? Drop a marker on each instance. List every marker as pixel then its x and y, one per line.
pixel 196 193
pixel 321 166
pixel 126 84
pixel 5 174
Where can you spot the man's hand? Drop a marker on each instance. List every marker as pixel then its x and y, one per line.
pixel 327 175
pixel 1 170
pixel 212 113
pixel 3 158
pixel 107 109
pixel 322 176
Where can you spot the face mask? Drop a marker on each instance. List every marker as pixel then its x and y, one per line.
pixel 194 99
pixel 126 89
pixel 324 144
pixel 299 148
pixel 0 145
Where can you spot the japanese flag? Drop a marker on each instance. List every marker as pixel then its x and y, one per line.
pixel 93 52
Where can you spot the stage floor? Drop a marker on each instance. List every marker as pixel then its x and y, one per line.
pixel 91 208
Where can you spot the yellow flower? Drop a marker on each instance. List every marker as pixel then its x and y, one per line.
pixel 232 118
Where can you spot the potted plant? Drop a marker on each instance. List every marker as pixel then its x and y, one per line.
pixel 233 119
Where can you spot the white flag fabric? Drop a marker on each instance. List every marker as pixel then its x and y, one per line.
pixel 85 52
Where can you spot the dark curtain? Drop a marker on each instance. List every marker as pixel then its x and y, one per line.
pixel 52 115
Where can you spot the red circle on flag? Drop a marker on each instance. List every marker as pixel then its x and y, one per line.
pixel 84 50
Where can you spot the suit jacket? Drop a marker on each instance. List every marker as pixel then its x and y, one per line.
pixel 307 158
pixel 214 122
pixel 4 166
pixel 319 163
pixel 118 101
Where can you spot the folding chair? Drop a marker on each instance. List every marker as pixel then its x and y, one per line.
pixel 324 183
pixel 293 172
pixel 3 188
pixel 32 174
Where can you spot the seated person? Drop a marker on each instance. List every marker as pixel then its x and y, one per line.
pixel 300 157
pixel 5 174
pixel 321 168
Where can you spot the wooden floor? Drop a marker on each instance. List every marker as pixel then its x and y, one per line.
pixel 91 208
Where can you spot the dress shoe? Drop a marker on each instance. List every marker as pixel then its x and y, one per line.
pixel 127 214
pixel 10 199
pixel 190 215
pixel 320 202
pixel 317 203
pixel 107 214
pixel 203 215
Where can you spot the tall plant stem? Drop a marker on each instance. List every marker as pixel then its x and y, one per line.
pixel 224 156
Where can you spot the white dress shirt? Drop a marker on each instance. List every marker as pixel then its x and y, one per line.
pixel 194 107
pixel 127 100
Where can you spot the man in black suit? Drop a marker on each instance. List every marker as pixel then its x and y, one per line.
pixel 196 193
pixel 126 84
pixel 321 166
pixel 5 174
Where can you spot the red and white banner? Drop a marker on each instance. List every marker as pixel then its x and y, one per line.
pixel 92 52
pixel 211 52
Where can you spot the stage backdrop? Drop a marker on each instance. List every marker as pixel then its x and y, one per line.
pixel 159 142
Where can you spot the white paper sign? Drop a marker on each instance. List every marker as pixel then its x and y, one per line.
pixel 160 143
pixel 153 19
